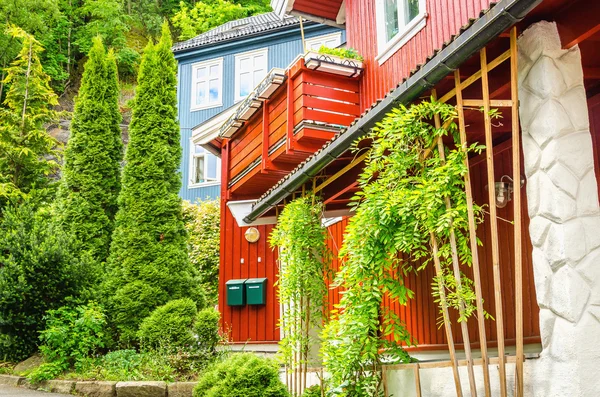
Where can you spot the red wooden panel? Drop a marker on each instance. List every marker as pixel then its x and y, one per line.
pixel 338 107
pixel 331 118
pixel 327 92
pixel 594 109
pixel 445 17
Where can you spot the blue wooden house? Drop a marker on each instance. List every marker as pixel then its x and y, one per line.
pixel 219 68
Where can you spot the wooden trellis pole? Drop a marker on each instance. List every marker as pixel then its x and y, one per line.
pixel 516 153
pixel 473 237
pixel 456 269
pixel 489 154
pixel 446 316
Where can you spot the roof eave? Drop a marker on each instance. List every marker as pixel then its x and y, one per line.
pixel 499 18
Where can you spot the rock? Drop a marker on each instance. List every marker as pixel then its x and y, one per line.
pixel 11 380
pixel 141 389
pixel 60 386
pixel 32 362
pixel 181 389
pixel 96 389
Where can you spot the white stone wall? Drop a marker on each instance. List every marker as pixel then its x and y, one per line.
pixel 564 212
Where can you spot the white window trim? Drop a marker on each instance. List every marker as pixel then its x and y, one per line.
pixel 208 63
pixel 237 71
pixel 325 37
pixel 192 157
pixel 387 49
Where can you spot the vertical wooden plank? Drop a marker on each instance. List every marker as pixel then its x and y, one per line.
pixel 516 157
pixel 456 269
pixel 290 114
pixel 489 154
pixel 446 316
pixel 265 161
pixel 417 380
pixel 473 237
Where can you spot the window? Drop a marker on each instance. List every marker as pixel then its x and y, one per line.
pixel 329 40
pixel 204 167
pixel 397 22
pixel 250 69
pixel 207 84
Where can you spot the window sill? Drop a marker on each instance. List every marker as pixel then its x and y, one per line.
pixel 203 184
pixel 213 105
pixel 410 30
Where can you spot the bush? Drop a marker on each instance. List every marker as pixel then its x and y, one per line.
pixel 202 222
pixel 71 335
pixel 313 391
pixel 242 375
pixel 169 326
pixel 39 271
pixel 207 329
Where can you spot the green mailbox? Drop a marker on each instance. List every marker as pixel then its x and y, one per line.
pixel 256 291
pixel 236 293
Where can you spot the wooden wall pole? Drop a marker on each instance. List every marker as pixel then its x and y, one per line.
pixel 473 238
pixel 445 315
pixel 489 154
pixel 456 268
pixel 516 153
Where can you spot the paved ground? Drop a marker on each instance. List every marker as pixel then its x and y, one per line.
pixel 7 391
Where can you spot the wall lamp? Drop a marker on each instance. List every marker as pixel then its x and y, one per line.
pixel 504 190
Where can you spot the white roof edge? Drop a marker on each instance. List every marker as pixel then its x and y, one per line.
pixel 208 130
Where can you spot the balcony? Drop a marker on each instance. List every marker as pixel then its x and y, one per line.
pixel 288 117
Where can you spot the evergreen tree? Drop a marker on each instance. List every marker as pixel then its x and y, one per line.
pixel 25 146
pixel 148 263
pixel 91 176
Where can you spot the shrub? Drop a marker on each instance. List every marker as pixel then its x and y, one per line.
pixel 204 236
pixel 313 391
pixel 39 271
pixel 169 326
pixel 242 375
pixel 71 335
pixel 207 329
pixel 349 53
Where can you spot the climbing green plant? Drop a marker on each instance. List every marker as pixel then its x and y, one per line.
pixel 400 207
pixel 304 268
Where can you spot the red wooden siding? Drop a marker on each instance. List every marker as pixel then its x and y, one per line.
pixel 445 17
pixel 421 314
pixel 594 108
pixel 325 9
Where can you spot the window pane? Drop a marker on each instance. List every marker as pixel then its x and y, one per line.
pixel 244 64
pixel 315 45
pixel 214 70
pixel 391 18
pixel 201 93
pixel 258 76
pixel 211 172
pixel 259 62
pixel 245 84
pixel 198 149
pixel 332 43
pixel 199 169
pixel 411 8
pixel 201 73
pixel 213 90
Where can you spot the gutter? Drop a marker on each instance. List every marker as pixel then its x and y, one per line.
pixel 502 16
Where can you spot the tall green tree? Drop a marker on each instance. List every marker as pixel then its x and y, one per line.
pixel 25 146
pixel 148 263
pixel 91 175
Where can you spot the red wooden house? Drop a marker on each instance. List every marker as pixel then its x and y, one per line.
pixel 295 132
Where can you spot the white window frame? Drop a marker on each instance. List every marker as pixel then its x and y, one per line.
pixel 319 39
pixel 192 167
pixel 387 48
pixel 238 71
pixel 206 64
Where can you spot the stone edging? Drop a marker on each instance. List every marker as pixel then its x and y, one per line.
pixel 104 388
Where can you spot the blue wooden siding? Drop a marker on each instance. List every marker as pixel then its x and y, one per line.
pixel 283 47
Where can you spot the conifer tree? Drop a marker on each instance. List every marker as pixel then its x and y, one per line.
pixel 25 146
pixel 91 176
pixel 148 263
